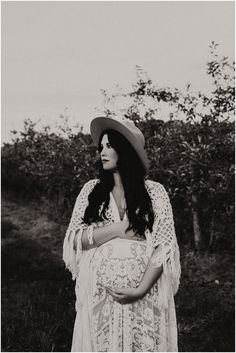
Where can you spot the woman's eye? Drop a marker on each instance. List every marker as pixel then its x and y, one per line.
pixel 100 148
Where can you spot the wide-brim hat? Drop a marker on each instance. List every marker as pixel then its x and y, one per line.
pixel 126 128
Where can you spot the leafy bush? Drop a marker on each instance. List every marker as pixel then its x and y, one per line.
pixel 192 157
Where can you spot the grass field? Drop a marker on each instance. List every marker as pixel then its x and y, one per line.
pixel 38 294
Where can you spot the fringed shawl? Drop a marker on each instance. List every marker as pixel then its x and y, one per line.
pixel 162 237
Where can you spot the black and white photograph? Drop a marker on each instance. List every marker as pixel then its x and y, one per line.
pixel 118 176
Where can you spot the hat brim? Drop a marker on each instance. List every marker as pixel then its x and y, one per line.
pixel 100 124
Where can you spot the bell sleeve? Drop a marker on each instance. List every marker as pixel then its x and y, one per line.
pixel 71 253
pixel 165 242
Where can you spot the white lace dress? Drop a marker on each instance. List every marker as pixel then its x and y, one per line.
pixel 102 324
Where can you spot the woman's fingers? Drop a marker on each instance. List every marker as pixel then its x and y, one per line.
pixel 132 237
pixel 115 290
pixel 120 295
pixel 117 295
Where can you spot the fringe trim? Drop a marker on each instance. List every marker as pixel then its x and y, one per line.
pixel 71 256
pixel 168 282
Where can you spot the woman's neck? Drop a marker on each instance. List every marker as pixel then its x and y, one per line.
pixel 117 180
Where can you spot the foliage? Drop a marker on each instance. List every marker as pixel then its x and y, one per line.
pixel 191 152
pixel 43 163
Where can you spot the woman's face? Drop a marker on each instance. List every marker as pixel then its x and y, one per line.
pixel 109 156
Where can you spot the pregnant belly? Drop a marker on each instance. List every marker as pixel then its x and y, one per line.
pixel 120 263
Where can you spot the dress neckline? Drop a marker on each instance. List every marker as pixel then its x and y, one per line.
pixel 116 209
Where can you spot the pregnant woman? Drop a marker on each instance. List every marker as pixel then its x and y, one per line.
pixel 121 249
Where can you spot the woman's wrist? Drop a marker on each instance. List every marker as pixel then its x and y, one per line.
pixel 100 235
pixel 141 290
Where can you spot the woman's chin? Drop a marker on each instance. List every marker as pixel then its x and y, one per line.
pixel 106 167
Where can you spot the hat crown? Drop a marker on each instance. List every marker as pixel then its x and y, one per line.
pixel 129 124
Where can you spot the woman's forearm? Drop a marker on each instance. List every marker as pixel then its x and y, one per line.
pixel 103 234
pixel 100 236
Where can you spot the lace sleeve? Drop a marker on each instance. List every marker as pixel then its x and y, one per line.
pixel 163 236
pixel 71 254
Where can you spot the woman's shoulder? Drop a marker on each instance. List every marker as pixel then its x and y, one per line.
pixel 151 184
pixel 155 189
pixel 158 194
pixel 88 186
pixel 91 183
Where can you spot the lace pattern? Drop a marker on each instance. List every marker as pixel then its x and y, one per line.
pixel 71 256
pixel 146 325
pixel 163 236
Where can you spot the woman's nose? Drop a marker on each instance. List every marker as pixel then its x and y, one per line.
pixel 103 151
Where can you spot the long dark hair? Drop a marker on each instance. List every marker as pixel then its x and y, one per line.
pixel 139 206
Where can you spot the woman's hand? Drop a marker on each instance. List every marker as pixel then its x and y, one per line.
pixel 126 295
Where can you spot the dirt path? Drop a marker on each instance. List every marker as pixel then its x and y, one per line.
pixel 31 220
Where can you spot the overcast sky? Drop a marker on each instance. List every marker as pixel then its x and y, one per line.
pixel 60 54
